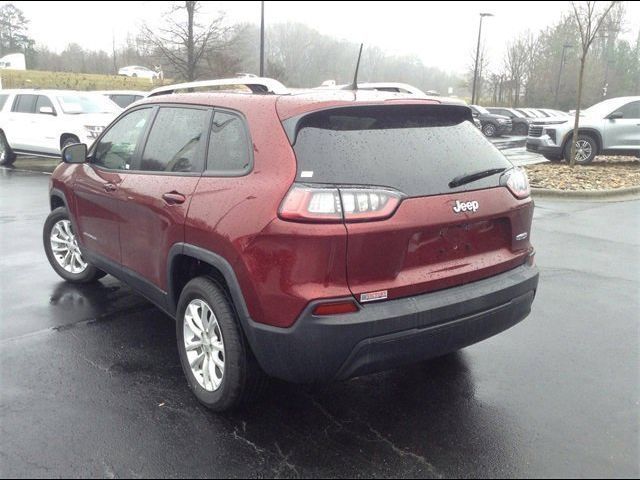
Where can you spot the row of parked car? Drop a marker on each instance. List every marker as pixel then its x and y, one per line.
pixel 498 121
pixel 42 122
pixel 610 127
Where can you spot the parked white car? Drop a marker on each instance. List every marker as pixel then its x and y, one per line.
pixel 43 122
pixel 611 127
pixel 138 71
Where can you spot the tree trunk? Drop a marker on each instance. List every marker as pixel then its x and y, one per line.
pixel 576 123
pixel 191 67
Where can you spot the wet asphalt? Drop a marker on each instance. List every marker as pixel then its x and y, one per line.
pixel 91 385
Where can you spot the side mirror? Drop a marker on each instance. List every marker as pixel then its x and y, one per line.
pixel 616 115
pixel 47 111
pixel 475 114
pixel 75 153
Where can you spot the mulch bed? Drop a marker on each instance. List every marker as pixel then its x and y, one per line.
pixel 604 173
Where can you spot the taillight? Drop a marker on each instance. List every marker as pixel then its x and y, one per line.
pixel 517 182
pixel 306 203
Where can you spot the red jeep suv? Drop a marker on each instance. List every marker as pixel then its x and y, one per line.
pixel 309 236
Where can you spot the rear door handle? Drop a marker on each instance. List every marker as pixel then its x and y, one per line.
pixel 110 187
pixel 173 198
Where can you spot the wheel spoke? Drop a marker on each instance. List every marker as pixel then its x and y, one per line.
pixel 195 330
pixel 215 380
pixel 205 317
pixel 193 346
pixel 197 360
pixel 216 360
pixel 195 316
pixel 205 353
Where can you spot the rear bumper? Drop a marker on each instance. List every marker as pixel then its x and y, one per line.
pixel 393 333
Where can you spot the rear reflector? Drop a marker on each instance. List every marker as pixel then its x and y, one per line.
pixel 306 203
pixel 337 308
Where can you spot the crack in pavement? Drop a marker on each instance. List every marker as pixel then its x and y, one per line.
pixel 284 462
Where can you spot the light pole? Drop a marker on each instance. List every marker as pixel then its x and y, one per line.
pixel 564 52
pixel 475 70
pixel 262 39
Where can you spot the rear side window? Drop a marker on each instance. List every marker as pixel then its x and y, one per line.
pixel 24 104
pixel 3 100
pixel 229 146
pixel 123 101
pixel 175 141
pixel 116 148
pixel 416 149
pixel 631 110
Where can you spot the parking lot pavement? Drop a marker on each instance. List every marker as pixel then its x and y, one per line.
pixel 91 384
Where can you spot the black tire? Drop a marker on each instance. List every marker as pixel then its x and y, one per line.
pixel 553 158
pixel 242 379
pixel 89 274
pixel 582 137
pixel 7 156
pixel 69 140
pixel 489 130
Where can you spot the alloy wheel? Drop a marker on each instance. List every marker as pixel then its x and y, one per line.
pixel 204 345
pixel 583 150
pixel 64 246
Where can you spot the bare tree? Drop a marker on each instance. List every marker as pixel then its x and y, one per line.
pixel 517 63
pixel 589 21
pixel 185 43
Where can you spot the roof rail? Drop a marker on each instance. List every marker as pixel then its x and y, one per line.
pixel 255 84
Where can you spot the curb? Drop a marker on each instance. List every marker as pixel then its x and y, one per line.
pixel 629 193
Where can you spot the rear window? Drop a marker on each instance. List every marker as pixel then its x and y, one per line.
pixel 416 149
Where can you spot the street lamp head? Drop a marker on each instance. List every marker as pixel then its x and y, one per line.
pixel 486 15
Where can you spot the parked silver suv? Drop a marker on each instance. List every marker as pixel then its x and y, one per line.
pixel 609 127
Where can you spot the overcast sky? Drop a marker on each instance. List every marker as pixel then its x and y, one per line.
pixel 443 34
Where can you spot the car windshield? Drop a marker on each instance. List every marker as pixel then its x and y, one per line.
pixel 518 114
pixel 602 109
pixel 74 103
pixel 482 110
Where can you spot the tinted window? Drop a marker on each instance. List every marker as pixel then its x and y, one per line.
pixel 631 110
pixel 43 101
pixel 414 148
pixel 229 146
pixel 24 103
pixel 174 144
pixel 3 100
pixel 118 146
pixel 122 101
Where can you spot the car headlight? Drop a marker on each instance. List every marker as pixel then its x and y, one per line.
pixel 551 133
pixel 94 131
pixel 502 120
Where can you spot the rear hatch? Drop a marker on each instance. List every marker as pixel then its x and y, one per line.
pixel 440 234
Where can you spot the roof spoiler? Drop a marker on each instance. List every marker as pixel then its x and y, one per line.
pixel 255 84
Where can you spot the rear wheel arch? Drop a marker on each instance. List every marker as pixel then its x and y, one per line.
pixel 186 262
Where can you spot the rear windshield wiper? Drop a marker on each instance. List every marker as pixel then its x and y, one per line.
pixel 472 177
